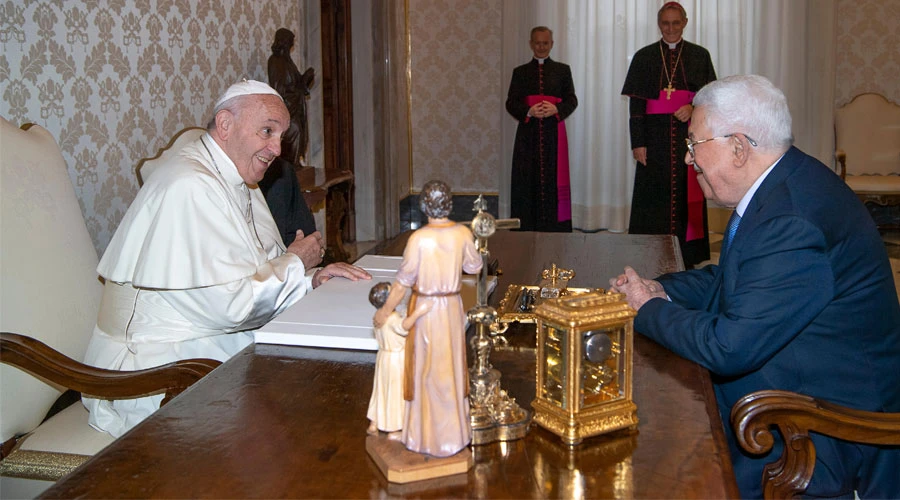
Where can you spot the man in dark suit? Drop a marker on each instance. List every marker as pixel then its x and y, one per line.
pixel 802 298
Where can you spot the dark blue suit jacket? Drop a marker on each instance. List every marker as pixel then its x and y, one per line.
pixel 804 301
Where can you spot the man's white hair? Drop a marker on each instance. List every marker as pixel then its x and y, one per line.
pixel 747 104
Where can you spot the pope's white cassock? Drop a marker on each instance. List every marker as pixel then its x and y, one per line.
pixel 196 263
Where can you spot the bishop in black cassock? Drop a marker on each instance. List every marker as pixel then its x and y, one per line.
pixel 666 197
pixel 540 195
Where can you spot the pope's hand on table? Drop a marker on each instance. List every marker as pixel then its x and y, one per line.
pixel 340 270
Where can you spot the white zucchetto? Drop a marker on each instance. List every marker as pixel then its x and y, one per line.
pixel 246 87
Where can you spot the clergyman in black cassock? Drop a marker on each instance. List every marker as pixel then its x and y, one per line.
pixel 541 95
pixel 285 200
pixel 666 197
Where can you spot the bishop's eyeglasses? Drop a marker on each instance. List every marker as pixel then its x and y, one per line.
pixel 691 143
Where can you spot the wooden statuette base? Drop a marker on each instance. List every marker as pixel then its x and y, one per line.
pixel 400 465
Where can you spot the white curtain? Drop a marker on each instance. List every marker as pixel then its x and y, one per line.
pixel 789 42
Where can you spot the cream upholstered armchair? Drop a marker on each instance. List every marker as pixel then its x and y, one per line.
pixel 867 141
pixel 49 295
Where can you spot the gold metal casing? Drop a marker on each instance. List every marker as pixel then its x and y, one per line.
pixel 584 365
pixel 519 301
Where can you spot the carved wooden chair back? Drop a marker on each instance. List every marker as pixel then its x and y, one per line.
pixel 795 416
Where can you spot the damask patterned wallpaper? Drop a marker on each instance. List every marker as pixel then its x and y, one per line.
pixel 457 99
pixel 113 80
pixel 868 49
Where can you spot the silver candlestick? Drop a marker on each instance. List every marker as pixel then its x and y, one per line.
pixel 494 415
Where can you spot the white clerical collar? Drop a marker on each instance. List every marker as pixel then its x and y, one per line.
pixel 673 45
pixel 221 162
pixel 745 201
pixel 540 60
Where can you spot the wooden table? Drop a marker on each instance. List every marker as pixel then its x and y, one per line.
pixel 278 421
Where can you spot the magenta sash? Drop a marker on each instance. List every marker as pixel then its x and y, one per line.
pixel 664 106
pixel 563 196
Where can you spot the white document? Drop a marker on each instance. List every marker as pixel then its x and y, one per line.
pixel 379 263
pixel 338 314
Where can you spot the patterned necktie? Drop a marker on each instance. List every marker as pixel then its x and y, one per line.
pixel 730 230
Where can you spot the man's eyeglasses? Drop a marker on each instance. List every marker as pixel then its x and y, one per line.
pixel 690 143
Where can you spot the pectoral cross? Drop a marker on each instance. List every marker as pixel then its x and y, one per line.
pixel 483 226
pixel 669 91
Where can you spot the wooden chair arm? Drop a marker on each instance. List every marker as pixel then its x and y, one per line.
pixel 842 162
pixel 42 361
pixel 796 415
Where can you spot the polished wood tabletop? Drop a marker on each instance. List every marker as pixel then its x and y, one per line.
pixel 290 422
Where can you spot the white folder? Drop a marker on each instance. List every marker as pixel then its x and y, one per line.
pixel 338 314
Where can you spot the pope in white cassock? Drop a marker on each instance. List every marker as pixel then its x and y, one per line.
pixel 197 262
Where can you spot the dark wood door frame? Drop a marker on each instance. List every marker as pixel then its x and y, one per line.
pixel 337 95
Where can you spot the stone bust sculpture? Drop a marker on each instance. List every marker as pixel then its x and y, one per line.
pixel 294 88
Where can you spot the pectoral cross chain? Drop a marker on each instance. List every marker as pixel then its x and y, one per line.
pixel 669 89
